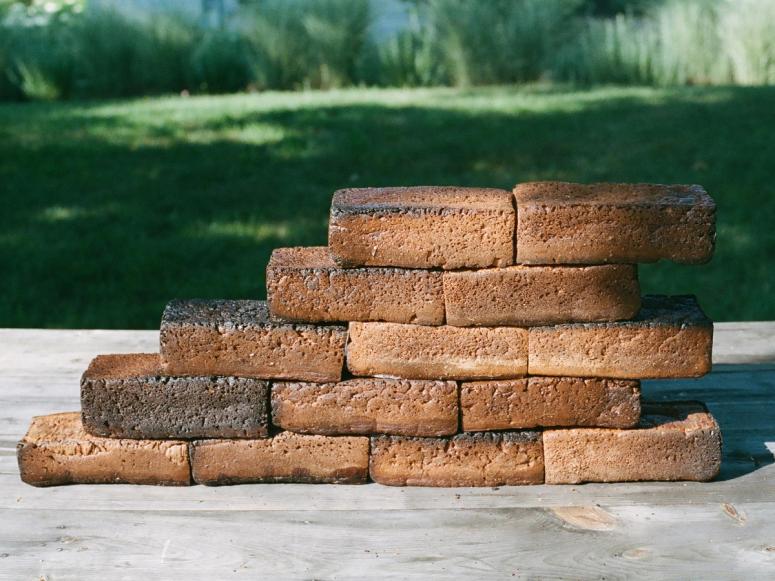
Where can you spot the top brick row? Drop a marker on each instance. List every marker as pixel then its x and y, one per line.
pixel 539 223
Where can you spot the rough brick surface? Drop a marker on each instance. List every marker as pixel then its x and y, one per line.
pixel 479 459
pixel 549 401
pixel 238 338
pixel 367 406
pixel 57 450
pixel 287 457
pixel 670 337
pixel 674 441
pixel 305 284
pixel 536 295
pixel 126 396
pixel 413 351
pixel 422 227
pixel 564 223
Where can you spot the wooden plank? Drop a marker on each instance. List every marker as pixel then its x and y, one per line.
pixel 734 541
pixel 750 342
pixel 754 486
pixel 638 530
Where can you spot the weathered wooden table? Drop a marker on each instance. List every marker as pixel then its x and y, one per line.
pixel 723 529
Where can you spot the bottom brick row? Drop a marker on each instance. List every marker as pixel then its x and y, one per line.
pixel 674 441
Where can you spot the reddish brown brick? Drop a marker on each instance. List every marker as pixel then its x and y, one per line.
pixel 422 227
pixel 127 396
pixel 305 284
pixel 549 401
pixel 541 295
pixel 670 337
pixel 674 441
pixel 57 450
pixel 564 223
pixel 367 406
pixel 417 352
pixel 287 457
pixel 238 338
pixel 478 459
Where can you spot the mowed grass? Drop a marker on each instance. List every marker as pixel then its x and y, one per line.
pixel 111 209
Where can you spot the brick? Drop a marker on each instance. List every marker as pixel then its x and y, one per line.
pixel 568 223
pixel 416 352
pixel 305 284
pixel 367 406
pixel 674 441
pixel 471 459
pixel 287 457
pixel 126 396
pixel 549 401
pixel 57 450
pixel 670 337
pixel 536 295
pixel 422 227
pixel 224 337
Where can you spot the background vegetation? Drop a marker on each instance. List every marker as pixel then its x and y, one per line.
pixel 111 209
pixel 56 50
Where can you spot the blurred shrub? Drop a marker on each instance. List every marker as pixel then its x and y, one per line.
pixel 99 53
pixel 222 62
pixel 308 43
pixel 617 50
pixel 678 42
pixel 118 56
pixel 57 50
pixel 747 30
pixel 499 41
pixel 408 59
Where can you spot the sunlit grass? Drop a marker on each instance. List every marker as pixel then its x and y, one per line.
pixel 248 230
pixel 111 209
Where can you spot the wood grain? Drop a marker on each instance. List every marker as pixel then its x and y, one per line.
pixel 723 529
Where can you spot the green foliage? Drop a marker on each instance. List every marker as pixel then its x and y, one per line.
pixel 35 83
pixel 747 30
pixel 499 41
pixel 409 59
pixel 119 56
pixel 308 43
pixel 678 42
pixel 99 53
pixel 39 60
pixel 7 88
pixel 59 51
pixel 111 209
pixel 222 62
pixel 614 7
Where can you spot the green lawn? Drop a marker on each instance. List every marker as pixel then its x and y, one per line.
pixel 111 209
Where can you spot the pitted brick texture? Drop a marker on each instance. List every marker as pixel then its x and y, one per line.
pixel 220 337
pixel 305 284
pixel 126 396
pixel 367 406
pixel 560 222
pixel 57 450
pixel 479 459
pixel 670 337
pixel 416 352
pixel 541 295
pixel 422 227
pixel 287 457
pixel 674 441
pixel 533 402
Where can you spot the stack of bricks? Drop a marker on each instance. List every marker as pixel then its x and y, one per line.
pixel 445 337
